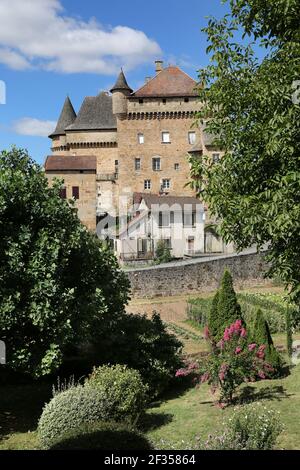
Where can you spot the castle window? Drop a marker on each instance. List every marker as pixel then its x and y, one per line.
pixel 215 157
pixel 166 184
pixel 63 193
pixel 137 164
pixel 75 192
pixel 141 139
pixel 192 138
pixel 141 101
pixel 186 100
pixel 165 137
pixel 156 164
pixel 147 184
pixel 164 101
pixel 176 166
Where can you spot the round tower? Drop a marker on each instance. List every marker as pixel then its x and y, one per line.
pixel 120 91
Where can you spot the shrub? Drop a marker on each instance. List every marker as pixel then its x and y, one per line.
pixel 102 436
pixel 250 427
pixel 261 335
pixel 145 345
pixel 69 410
pixel 214 318
pixel 163 252
pixel 228 307
pixel 126 393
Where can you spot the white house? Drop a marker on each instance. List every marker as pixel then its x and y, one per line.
pixel 179 221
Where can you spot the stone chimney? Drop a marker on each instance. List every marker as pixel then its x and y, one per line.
pixel 159 66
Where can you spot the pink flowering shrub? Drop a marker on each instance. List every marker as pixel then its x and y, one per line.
pixel 232 362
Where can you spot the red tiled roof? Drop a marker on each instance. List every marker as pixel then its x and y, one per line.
pixel 70 162
pixel 171 81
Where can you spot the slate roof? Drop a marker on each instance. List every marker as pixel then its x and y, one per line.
pixel 154 199
pixel 70 162
pixel 121 83
pixel 171 81
pixel 95 114
pixel 66 118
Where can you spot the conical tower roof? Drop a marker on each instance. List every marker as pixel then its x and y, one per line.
pixel 66 118
pixel 121 83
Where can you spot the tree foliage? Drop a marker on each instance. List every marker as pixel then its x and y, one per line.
pixel 252 109
pixel 58 285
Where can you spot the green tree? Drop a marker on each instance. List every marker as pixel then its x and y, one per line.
pixel 261 335
pixel 252 110
pixel 163 252
pixel 289 332
pixel 58 286
pixel 213 317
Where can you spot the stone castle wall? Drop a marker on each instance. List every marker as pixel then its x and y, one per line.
pixel 197 276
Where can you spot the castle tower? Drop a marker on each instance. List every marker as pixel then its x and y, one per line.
pixel 66 118
pixel 120 92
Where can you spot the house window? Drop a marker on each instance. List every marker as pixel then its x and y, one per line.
pixel 141 139
pixel 168 243
pixel 155 164
pixel 164 219
pixel 147 184
pixel 165 137
pixel 189 219
pixel 172 217
pixel 137 164
pixel 166 184
pixel 63 193
pixel 75 192
pixel 215 157
pixel 176 166
pixel 192 138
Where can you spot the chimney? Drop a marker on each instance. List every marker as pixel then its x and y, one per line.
pixel 147 79
pixel 159 66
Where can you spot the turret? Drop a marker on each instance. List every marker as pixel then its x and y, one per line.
pixel 120 92
pixel 66 118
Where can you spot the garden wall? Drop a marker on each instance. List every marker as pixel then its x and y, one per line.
pixel 196 276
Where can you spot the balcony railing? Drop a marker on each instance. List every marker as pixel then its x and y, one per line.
pixel 107 176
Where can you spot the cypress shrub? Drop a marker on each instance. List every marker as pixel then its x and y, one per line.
pixel 213 319
pixel 289 333
pixel 261 335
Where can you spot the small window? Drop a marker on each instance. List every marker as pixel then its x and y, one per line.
pixel 166 183
pixel 147 184
pixel 215 157
pixel 176 166
pixel 168 243
pixel 186 100
pixel 75 192
pixel 141 101
pixel 164 219
pixel 156 164
pixel 165 136
pixel 141 139
pixel 164 101
pixel 192 138
pixel 63 193
pixel 116 162
pixel 137 164
pixel 172 217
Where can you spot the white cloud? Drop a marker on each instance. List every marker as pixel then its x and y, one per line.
pixel 33 127
pixel 38 33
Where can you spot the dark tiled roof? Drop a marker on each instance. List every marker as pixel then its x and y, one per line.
pixel 171 81
pixel 66 118
pixel 153 199
pixel 70 162
pixel 121 83
pixel 95 114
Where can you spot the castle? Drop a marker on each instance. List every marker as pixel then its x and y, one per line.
pixel 129 143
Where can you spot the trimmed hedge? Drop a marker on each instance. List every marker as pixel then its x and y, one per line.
pixel 126 394
pixel 102 436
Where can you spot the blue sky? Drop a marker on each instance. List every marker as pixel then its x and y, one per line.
pixel 51 48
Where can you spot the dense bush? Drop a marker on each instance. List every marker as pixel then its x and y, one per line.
pixel 71 409
pixel 260 334
pixel 102 436
pixel 145 345
pixel 163 252
pixel 126 394
pixel 250 427
pixel 58 284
